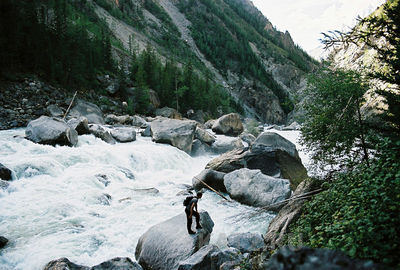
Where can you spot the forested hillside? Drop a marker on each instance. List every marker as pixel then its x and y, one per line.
pixel 198 49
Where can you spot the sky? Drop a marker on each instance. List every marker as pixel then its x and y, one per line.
pixel 306 19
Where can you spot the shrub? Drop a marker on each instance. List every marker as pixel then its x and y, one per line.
pixel 359 213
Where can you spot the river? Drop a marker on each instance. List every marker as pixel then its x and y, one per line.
pixel 91 203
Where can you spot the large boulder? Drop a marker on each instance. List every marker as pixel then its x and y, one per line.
pixel 100 132
pixel 124 134
pixel 168 113
pixel 246 242
pixel 113 264
pixel 53 131
pixel 272 154
pixel 212 178
pixel 200 148
pixel 164 245
pixel 226 144
pixel 304 258
pixel 201 260
pixel 204 136
pixel 113 119
pixel 229 124
pixel 5 173
pixel 254 188
pixel 278 228
pixel 81 125
pixel 138 121
pixel 89 110
pixel 178 133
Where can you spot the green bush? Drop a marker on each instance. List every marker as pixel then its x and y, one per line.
pixel 359 213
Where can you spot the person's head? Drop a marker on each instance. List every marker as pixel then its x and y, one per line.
pixel 199 194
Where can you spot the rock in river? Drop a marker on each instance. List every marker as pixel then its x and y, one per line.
pixel 164 245
pixel 229 124
pixel 5 173
pixel 53 131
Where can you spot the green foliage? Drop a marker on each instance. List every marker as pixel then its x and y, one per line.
pixel 39 37
pixel 359 213
pixel 176 87
pixel 225 42
pixel 333 128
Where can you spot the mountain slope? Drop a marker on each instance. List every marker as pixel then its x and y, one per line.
pixel 259 66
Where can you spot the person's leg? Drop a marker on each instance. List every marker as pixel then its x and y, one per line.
pixel 197 215
pixel 189 223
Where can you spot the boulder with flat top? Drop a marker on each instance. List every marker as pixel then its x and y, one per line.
pixel 229 124
pixel 89 110
pixel 166 244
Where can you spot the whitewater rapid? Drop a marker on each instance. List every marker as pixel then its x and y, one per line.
pixel 91 203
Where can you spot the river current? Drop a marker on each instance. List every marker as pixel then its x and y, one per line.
pixel 92 202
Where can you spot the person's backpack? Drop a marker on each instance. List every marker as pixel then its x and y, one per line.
pixel 187 200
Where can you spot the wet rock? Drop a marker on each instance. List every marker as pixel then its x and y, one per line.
pixel 204 136
pixel 246 242
pixel 168 113
pixel 198 116
pixel 55 111
pixel 201 260
pixel 166 244
pixel 124 134
pixel 315 259
pixel 178 133
pixel 103 179
pixel 118 264
pixel 254 188
pixel 3 241
pixel 224 145
pixel 101 133
pixel 229 124
pixel 81 125
pixel 53 131
pixel 5 173
pixel 89 110
pixel 273 155
pixel 105 199
pixel 64 264
pixel 138 121
pixel 248 138
pixel 146 132
pixel 212 178
pixel 113 264
pixel 199 148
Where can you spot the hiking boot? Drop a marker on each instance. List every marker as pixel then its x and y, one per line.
pixel 199 227
pixel 191 232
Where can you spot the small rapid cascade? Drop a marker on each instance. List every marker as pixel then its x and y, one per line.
pixel 92 202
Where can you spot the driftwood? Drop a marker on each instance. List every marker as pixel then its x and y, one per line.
pixel 213 189
pixel 69 107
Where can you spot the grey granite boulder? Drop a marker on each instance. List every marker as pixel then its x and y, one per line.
pixel 5 173
pixel 204 136
pixel 226 144
pixel 212 178
pixel 246 242
pixel 89 110
pixel 81 125
pixel 229 124
pixel 166 244
pixel 201 260
pixel 113 264
pixel 224 256
pixel 53 131
pixel 200 148
pixel 254 188
pixel 102 133
pixel 112 119
pixel 178 133
pixel 271 153
pixel 168 113
pixel 124 134
pixel 146 132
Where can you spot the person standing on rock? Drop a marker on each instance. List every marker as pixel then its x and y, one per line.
pixel 191 210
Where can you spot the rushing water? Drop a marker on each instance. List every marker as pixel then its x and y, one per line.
pixel 89 204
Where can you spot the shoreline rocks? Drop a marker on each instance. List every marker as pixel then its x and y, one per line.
pixel 229 124
pixel 89 110
pixel 118 263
